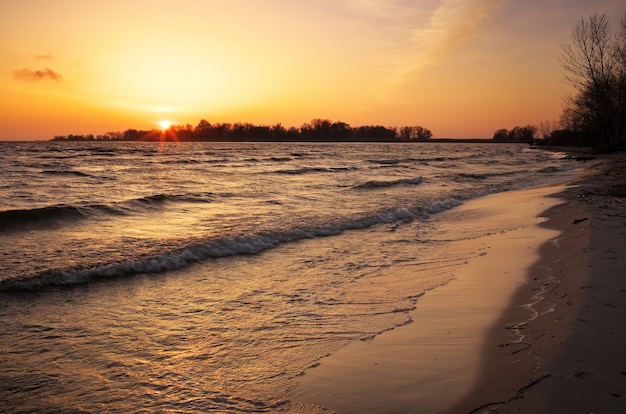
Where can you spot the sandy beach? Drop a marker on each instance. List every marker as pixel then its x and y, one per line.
pixel 533 324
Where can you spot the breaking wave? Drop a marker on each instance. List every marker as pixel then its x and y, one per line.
pixel 199 250
pixel 45 217
pixel 391 183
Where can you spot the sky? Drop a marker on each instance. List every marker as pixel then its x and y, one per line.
pixel 461 68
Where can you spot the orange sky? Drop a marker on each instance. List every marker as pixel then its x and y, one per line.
pixel 461 68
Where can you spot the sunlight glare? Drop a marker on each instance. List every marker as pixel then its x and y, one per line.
pixel 165 125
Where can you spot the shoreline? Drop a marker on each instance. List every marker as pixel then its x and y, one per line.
pixel 525 355
pixel 577 343
pixel 433 362
pixel 540 301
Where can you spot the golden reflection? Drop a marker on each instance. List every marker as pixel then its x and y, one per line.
pixel 168 134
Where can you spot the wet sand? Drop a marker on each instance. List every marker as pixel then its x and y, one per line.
pixel 532 324
pixel 577 344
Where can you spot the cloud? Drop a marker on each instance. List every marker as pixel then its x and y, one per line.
pixel 453 23
pixel 390 10
pixel 28 75
pixel 47 56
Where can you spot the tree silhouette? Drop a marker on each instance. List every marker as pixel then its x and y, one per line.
pixel 595 65
pixel 318 130
pixel 517 134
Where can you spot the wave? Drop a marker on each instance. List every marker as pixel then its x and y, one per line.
pixel 472 176
pixel 426 160
pixel 299 171
pixel 385 162
pixel 70 173
pixel 169 198
pixel 278 159
pixel 549 170
pixel 37 217
pixel 183 161
pixel 483 176
pixel 200 250
pixel 51 216
pixel 384 184
pixel 307 170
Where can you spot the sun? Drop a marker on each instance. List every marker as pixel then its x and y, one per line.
pixel 165 125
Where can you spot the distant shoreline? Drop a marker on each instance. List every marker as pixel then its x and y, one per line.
pixel 432 140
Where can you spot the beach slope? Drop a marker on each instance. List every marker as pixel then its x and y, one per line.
pixel 577 344
pixel 532 323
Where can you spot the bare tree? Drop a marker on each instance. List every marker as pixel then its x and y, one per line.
pixel 595 65
pixel 547 127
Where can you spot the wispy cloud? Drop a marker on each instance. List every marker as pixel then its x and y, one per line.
pixel 28 75
pixel 390 10
pixel 453 23
pixel 47 57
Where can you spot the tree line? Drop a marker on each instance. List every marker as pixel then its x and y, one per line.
pixel 318 130
pixel 595 114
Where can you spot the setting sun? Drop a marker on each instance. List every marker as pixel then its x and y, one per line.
pixel 165 125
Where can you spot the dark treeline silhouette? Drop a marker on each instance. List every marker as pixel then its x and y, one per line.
pixel 595 115
pixel 517 134
pixel 318 130
pixel 595 65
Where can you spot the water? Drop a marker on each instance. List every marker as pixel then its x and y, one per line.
pixel 153 277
